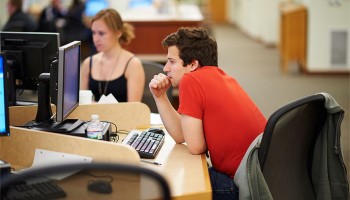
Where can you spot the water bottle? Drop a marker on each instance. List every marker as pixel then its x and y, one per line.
pixel 94 129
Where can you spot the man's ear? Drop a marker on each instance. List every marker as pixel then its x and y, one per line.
pixel 194 65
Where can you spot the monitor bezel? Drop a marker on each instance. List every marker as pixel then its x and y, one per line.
pixel 5 96
pixel 19 46
pixel 60 116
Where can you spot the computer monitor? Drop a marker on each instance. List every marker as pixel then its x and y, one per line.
pixel 4 113
pixel 60 87
pixel 28 55
pixel 94 6
pixel 68 79
pixel 140 3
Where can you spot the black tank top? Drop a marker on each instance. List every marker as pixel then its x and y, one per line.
pixel 117 86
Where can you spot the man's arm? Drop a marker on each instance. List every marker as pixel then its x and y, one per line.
pixel 182 128
pixel 170 117
pixel 192 129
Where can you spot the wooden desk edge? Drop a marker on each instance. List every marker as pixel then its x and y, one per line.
pixel 19 147
pixel 206 172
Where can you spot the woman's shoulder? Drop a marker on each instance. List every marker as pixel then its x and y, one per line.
pixel 127 54
pixel 93 57
pixel 131 58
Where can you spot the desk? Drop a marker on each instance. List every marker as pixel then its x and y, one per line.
pixel 151 27
pixel 186 174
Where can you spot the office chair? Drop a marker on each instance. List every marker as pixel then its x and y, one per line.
pixel 152 68
pixel 91 181
pixel 299 155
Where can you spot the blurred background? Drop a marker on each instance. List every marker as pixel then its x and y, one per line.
pixel 324 25
pixel 279 50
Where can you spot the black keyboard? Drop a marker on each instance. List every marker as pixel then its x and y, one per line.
pixel 147 144
pixel 34 190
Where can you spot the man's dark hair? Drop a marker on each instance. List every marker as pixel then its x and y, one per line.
pixel 194 43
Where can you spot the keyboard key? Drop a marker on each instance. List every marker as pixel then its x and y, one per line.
pixel 36 191
pixel 147 144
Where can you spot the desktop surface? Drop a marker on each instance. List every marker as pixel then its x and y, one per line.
pixel 187 174
pixel 95 181
pixel 41 188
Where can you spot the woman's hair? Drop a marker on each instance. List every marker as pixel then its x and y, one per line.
pixel 194 44
pixel 113 20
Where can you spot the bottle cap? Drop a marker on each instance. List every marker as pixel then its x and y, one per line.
pixel 94 117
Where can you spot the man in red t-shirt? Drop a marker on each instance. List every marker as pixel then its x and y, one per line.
pixel 214 114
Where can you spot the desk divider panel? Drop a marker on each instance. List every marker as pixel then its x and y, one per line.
pixel 127 116
pixel 20 115
pixel 19 148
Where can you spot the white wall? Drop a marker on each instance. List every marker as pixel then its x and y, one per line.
pixel 323 17
pixel 260 19
pixel 3 13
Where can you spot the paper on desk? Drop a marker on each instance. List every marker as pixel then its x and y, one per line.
pixel 108 99
pixel 46 158
pixel 155 119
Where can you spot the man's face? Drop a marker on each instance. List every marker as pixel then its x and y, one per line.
pixel 174 67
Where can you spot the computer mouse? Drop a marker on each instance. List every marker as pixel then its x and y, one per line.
pixel 100 186
pixel 156 130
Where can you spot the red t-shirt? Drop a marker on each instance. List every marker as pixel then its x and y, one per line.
pixel 231 120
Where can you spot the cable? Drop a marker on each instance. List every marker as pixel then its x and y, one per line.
pixel 113 136
pixel 124 131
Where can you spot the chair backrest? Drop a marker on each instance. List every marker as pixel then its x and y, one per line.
pixel 286 148
pixel 152 68
pixel 123 181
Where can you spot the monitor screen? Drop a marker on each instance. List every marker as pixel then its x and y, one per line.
pixel 4 116
pixel 68 80
pixel 28 55
pixel 94 6
pixel 140 3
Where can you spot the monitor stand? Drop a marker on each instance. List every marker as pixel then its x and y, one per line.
pixel 66 126
pixel 74 127
pixel 44 120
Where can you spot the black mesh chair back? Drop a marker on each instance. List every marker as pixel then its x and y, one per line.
pixel 286 149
